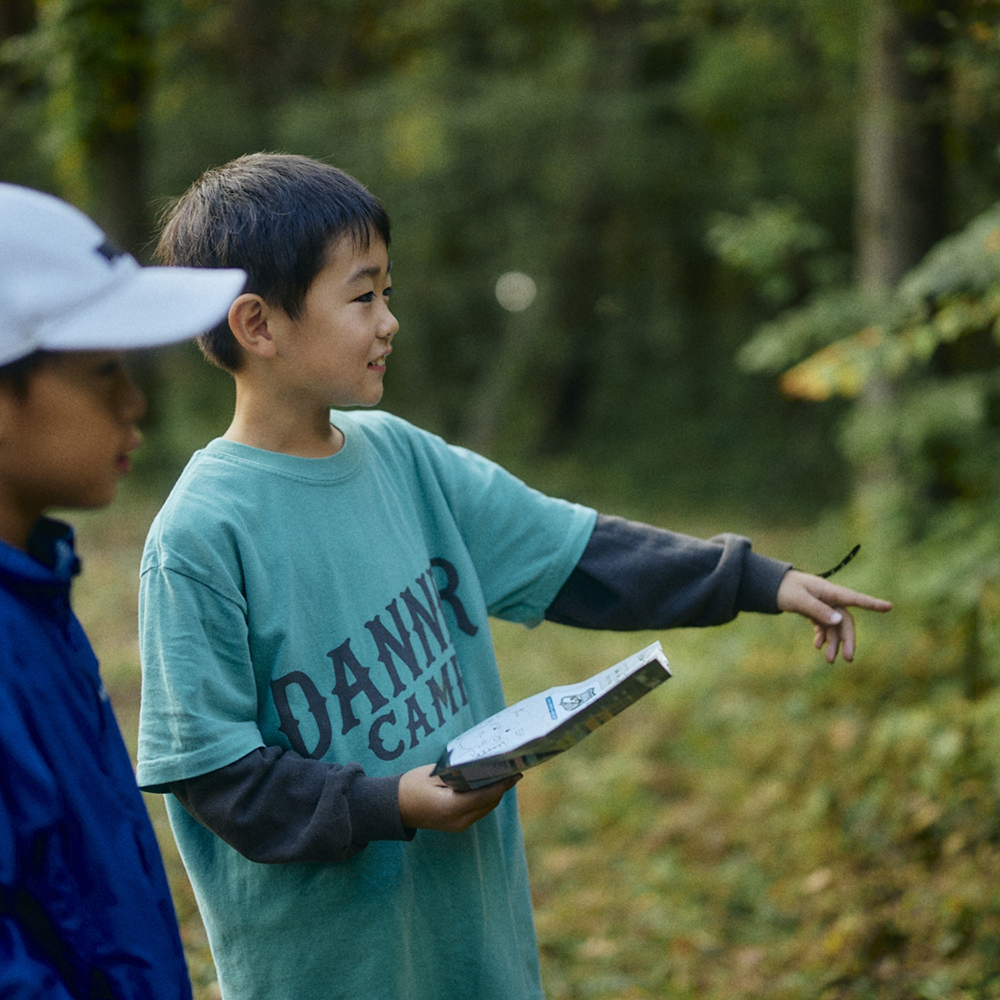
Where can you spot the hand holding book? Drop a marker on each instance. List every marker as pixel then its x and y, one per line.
pixel 545 724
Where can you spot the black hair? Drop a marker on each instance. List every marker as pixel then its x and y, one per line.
pixel 274 215
pixel 17 374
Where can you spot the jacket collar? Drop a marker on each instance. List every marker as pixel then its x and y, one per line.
pixel 45 571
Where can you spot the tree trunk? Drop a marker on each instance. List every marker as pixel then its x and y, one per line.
pixel 900 204
pixel 614 46
pixel 16 17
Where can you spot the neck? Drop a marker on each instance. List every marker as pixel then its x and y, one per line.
pixel 16 525
pixel 262 420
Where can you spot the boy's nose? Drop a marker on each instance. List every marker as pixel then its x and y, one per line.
pixel 131 401
pixel 390 326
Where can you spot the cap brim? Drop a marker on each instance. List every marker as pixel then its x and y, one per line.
pixel 154 307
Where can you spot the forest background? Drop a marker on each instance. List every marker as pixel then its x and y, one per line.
pixel 719 264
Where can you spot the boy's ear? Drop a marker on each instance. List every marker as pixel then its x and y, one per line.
pixel 248 319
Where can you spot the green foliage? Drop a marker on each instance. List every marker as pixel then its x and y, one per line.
pixel 952 296
pixel 761 825
pixel 924 428
pixel 920 368
pixel 594 146
pixel 94 60
pixel 585 144
pixel 21 102
pixel 784 252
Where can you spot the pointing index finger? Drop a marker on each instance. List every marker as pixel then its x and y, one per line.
pixel 834 594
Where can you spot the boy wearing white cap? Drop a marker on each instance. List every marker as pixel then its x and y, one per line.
pixel 85 909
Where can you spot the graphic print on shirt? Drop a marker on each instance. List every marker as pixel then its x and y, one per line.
pixel 369 689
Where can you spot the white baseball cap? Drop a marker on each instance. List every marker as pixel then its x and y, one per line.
pixel 64 286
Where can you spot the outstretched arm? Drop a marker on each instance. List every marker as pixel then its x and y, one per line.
pixel 825 604
pixel 633 576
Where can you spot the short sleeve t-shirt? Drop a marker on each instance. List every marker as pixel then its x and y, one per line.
pixel 339 608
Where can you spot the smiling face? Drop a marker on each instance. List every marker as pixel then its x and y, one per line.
pixel 65 441
pixel 334 353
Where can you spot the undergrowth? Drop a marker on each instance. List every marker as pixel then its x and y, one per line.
pixel 763 825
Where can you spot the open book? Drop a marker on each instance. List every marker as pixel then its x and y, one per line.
pixel 539 727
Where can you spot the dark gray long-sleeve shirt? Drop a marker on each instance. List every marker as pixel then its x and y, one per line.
pixel 274 805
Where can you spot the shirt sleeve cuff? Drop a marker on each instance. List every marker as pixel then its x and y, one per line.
pixel 758 590
pixel 374 805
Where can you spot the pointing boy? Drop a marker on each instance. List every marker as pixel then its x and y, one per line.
pixel 314 625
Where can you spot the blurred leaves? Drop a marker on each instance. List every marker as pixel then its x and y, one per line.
pixel 919 367
pixel 953 293
pixel 94 59
pixel 932 346
pixel 773 243
pixel 766 826
pixel 586 144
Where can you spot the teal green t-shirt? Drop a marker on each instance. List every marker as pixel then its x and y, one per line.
pixel 339 607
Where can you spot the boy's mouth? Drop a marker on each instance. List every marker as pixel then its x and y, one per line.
pixel 124 463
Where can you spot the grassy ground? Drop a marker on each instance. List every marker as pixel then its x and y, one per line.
pixel 761 826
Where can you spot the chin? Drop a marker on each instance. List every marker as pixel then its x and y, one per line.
pixel 99 498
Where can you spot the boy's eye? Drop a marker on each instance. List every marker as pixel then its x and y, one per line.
pixel 370 296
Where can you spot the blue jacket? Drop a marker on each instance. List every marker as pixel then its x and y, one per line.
pixel 85 909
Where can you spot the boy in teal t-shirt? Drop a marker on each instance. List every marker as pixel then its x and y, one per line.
pixel 314 624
